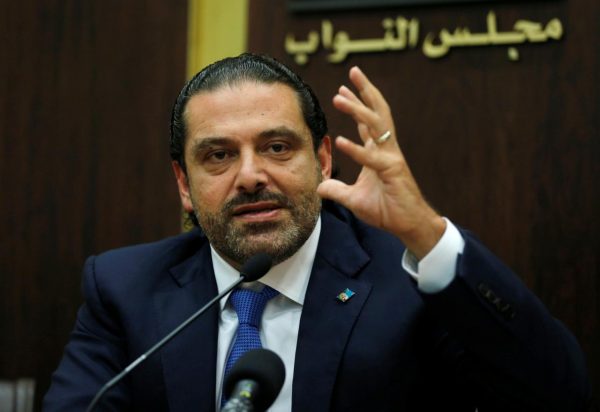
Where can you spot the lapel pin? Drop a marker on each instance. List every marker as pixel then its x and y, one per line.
pixel 345 295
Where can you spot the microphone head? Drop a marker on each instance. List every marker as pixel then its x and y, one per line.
pixel 256 267
pixel 265 368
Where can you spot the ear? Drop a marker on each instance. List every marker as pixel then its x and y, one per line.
pixel 324 156
pixel 184 187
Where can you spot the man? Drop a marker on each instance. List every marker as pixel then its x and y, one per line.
pixel 383 304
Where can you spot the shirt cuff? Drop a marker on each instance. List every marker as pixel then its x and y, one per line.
pixel 438 268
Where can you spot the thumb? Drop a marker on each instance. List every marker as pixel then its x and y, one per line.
pixel 335 190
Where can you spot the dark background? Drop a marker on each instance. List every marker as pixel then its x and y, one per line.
pixel 327 5
pixel 507 149
pixel 86 91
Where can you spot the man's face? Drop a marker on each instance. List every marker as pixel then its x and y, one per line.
pixel 252 172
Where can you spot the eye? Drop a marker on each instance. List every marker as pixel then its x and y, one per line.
pixel 218 156
pixel 278 147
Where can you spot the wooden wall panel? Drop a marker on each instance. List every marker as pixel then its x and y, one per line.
pixel 86 91
pixel 507 149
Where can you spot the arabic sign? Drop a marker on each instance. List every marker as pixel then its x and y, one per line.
pixel 400 34
pixel 320 5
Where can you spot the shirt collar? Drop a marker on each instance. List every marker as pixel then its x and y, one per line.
pixel 290 277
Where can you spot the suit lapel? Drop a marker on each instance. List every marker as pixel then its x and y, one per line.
pixel 326 322
pixel 189 359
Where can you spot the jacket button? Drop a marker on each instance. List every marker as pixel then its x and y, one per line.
pixel 504 308
pixel 486 292
pixel 507 311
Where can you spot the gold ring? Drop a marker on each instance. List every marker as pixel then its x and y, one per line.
pixel 383 137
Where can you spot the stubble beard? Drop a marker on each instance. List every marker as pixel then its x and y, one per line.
pixel 280 239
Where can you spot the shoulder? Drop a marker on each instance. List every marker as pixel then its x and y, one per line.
pixel 338 219
pixel 353 246
pixel 142 265
pixel 169 251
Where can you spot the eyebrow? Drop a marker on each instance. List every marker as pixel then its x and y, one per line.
pixel 282 131
pixel 209 142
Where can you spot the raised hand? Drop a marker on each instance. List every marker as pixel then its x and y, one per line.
pixel 385 193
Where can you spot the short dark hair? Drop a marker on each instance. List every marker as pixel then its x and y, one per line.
pixel 245 67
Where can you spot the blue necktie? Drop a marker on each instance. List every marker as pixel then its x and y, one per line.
pixel 249 306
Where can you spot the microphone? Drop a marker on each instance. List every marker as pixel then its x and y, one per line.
pixel 254 382
pixel 254 268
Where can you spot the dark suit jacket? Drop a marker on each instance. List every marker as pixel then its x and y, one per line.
pixel 485 341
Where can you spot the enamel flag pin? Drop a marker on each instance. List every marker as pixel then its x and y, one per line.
pixel 345 295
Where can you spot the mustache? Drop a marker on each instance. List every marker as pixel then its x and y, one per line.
pixel 245 198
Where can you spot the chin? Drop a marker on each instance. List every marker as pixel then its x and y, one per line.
pixel 263 241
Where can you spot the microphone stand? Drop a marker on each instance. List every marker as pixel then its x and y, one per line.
pixel 160 343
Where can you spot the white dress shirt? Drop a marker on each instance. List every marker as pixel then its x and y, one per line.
pixel 281 318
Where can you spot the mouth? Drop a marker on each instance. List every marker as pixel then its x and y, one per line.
pixel 256 212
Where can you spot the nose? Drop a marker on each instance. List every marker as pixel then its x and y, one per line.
pixel 251 176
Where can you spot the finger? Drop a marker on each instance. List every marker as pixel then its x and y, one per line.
pixel 359 112
pixel 366 155
pixel 368 92
pixel 335 190
pixel 364 132
pixel 370 125
pixel 349 94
